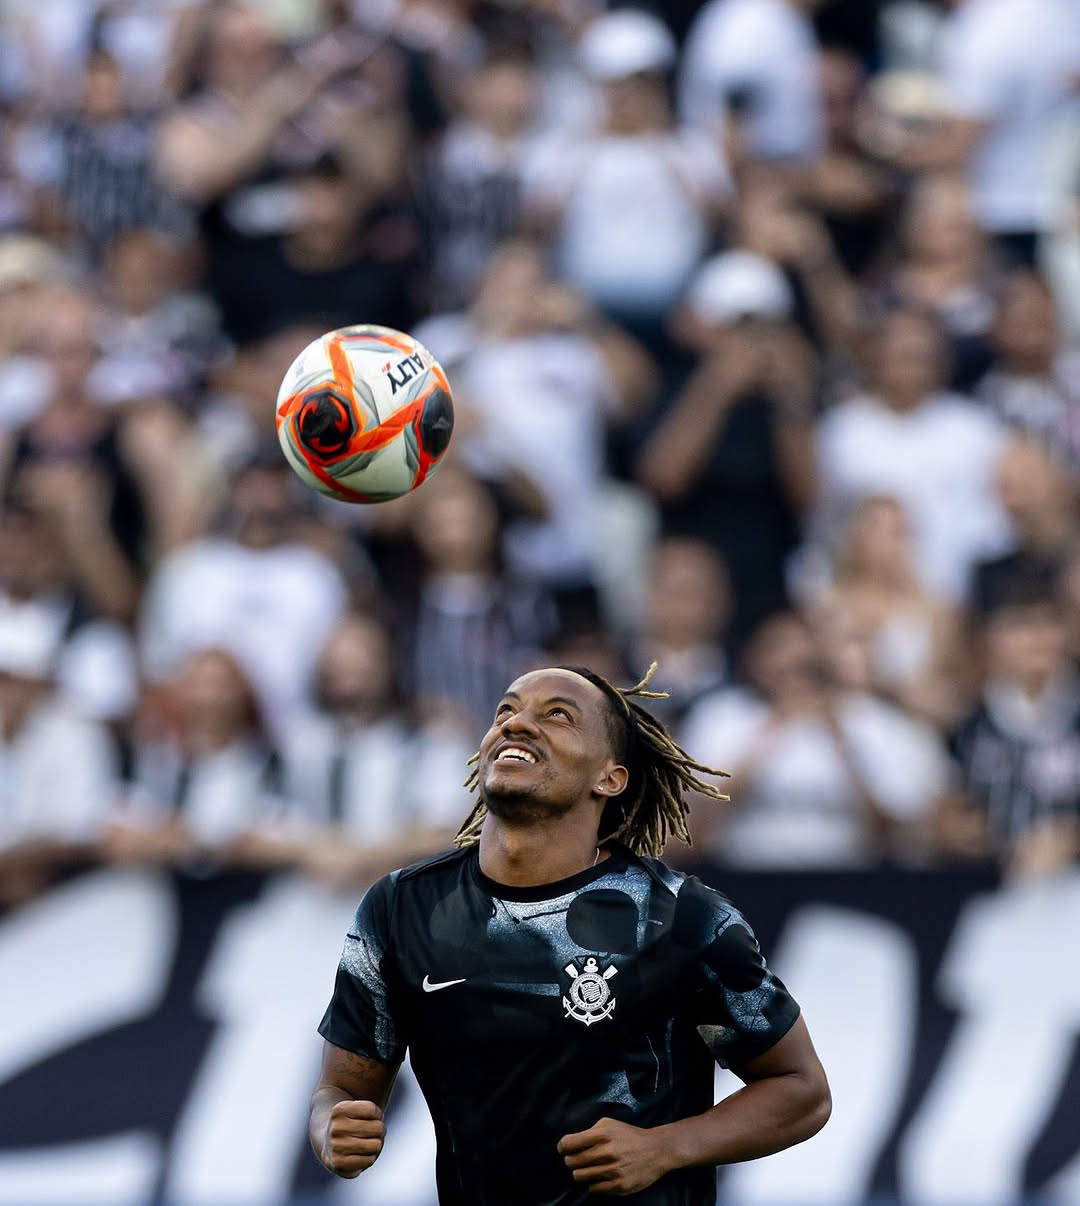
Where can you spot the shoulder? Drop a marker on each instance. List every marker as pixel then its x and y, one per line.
pixel 706 919
pixel 667 880
pixel 703 911
pixel 435 864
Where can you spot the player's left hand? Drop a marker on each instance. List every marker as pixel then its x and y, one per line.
pixel 614 1157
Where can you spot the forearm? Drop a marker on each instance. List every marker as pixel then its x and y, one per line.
pixel 679 450
pixel 764 1117
pixel 201 162
pixel 102 569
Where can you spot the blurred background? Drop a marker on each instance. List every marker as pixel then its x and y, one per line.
pixel 763 321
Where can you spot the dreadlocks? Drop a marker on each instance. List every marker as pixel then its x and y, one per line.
pixel 661 773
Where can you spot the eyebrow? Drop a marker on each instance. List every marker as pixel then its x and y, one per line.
pixel 553 699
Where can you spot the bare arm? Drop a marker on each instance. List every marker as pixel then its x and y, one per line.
pixel 346 1127
pixel 785 1101
pixel 200 160
pixel 677 452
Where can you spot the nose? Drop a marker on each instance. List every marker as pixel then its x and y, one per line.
pixel 519 723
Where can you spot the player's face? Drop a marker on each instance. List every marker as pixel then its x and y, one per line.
pixel 548 748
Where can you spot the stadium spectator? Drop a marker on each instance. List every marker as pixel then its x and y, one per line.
pixel 845 186
pixel 688 607
pixel 946 269
pixel 1039 498
pixel 912 640
pixel 335 257
pixel 74 462
pixel 729 458
pixel 771 223
pixel 93 659
pixel 205 780
pixel 255 587
pixel 750 77
pixel 936 453
pixel 261 114
pixel 375 790
pixel 59 780
pixel 632 207
pixel 537 369
pixel 823 775
pixel 469 620
pixel 473 186
pixel 1034 384
pixel 158 337
pixel 1019 750
pixel 1006 73
pixel 91 169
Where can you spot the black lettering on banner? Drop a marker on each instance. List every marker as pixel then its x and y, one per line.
pixel 980 972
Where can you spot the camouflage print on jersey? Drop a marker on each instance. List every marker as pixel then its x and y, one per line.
pixel 529 1014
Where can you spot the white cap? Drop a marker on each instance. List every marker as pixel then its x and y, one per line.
pixel 624 42
pixel 28 643
pixel 739 284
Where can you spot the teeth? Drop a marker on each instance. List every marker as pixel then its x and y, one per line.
pixel 516 755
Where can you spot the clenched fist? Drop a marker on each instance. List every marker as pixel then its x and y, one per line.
pixel 353 1138
pixel 615 1158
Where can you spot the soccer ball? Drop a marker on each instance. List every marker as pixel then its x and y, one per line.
pixel 364 414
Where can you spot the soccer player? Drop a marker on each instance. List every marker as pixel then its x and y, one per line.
pixel 562 993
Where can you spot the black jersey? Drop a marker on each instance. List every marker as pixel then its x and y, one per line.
pixel 531 1013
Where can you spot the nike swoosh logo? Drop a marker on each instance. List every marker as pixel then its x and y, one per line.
pixel 429 987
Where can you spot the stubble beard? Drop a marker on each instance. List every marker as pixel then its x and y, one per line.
pixel 523 804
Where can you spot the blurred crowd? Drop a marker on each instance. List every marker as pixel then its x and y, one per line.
pixel 763 322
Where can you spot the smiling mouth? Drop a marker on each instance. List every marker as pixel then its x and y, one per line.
pixel 515 753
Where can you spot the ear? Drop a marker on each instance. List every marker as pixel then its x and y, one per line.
pixel 611 782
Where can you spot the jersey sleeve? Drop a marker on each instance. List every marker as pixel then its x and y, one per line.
pixel 360 1016
pixel 740 1008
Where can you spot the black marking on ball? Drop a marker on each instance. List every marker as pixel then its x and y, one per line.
pixel 436 423
pixel 326 422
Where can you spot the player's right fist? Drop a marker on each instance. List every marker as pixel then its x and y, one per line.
pixel 354 1137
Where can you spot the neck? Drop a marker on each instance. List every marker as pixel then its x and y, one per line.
pixel 903 401
pixel 530 853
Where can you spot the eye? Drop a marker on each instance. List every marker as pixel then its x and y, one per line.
pixel 502 710
pixel 560 712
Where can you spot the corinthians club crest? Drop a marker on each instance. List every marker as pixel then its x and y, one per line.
pixel 590 998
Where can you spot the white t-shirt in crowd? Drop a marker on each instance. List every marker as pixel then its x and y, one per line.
pixel 270 608
pixel 57 778
pixel 542 400
pixel 764 51
pixel 633 222
pixel 802 807
pixel 939 461
pixel 218 795
pixel 1010 65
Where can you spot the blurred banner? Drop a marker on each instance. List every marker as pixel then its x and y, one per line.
pixel 157 1040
